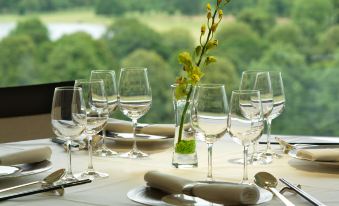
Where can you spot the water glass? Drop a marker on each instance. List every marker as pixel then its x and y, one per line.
pixel 135 99
pixel 245 121
pixel 97 115
pixel 209 115
pixel 68 118
pixel 108 76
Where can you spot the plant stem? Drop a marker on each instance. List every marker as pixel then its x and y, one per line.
pixel 183 113
pixel 207 39
pixel 190 91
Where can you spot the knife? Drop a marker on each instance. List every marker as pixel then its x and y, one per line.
pixel 302 193
pixel 45 189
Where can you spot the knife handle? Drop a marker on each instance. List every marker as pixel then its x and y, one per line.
pixel 302 193
pixel 45 189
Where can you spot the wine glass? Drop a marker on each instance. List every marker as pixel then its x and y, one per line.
pixel 209 114
pixel 97 115
pixel 245 121
pixel 278 108
pixel 68 118
pixel 258 80
pixel 108 76
pixel 135 99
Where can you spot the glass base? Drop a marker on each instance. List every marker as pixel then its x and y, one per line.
pixel 134 154
pixel 185 160
pixel 250 161
pixel 67 178
pixel 268 156
pixel 103 151
pixel 92 175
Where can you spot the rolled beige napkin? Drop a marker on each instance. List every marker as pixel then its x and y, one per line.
pixel 221 193
pixel 167 183
pixel 121 126
pixel 325 155
pixel 27 156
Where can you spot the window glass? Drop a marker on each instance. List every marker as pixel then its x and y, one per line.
pixel 45 41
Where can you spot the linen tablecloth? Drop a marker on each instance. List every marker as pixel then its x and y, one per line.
pixel 126 174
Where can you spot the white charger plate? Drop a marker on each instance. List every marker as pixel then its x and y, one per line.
pixel 142 138
pixel 293 153
pixel 149 196
pixel 29 169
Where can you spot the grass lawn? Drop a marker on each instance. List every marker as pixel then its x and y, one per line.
pixel 158 21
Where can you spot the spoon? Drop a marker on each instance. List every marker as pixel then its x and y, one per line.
pixel 47 181
pixel 269 182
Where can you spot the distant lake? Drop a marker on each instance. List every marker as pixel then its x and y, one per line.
pixel 57 30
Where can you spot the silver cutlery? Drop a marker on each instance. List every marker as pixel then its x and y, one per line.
pixel 269 182
pixel 49 180
pixel 45 189
pixel 302 193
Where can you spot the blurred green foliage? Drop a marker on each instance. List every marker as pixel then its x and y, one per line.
pixel 299 38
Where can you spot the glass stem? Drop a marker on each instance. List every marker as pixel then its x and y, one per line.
pixel 255 151
pixel 103 137
pixel 69 150
pixel 268 122
pixel 245 176
pixel 90 155
pixel 135 123
pixel 209 174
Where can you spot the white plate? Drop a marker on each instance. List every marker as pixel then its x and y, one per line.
pixel 8 170
pixel 29 169
pixel 143 138
pixel 293 153
pixel 149 196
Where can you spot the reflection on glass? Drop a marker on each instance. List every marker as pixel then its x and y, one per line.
pixel 245 121
pixel 108 76
pixel 97 115
pixel 68 117
pixel 209 114
pixel 135 99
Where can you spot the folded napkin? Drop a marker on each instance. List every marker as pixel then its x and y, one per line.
pixel 27 156
pixel 114 125
pixel 325 155
pixel 221 193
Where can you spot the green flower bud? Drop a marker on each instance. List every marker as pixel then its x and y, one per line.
pixel 203 29
pixel 208 7
pixel 185 58
pixel 220 13
pixel 209 15
pixel 209 60
pixel 211 44
pixel 214 27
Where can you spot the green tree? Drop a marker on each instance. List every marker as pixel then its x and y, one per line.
pixel 111 7
pixel 33 28
pixel 17 61
pixel 240 44
pixel 276 8
pixel 222 72
pixel 74 56
pixel 174 41
pixel 127 35
pixel 287 33
pixel 259 20
pixel 325 98
pixel 160 77
pixel 312 16
pixel 329 40
pixel 299 104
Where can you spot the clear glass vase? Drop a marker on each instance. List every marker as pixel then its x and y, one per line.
pixel 184 152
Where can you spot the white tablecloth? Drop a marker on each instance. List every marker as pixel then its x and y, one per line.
pixel 126 174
